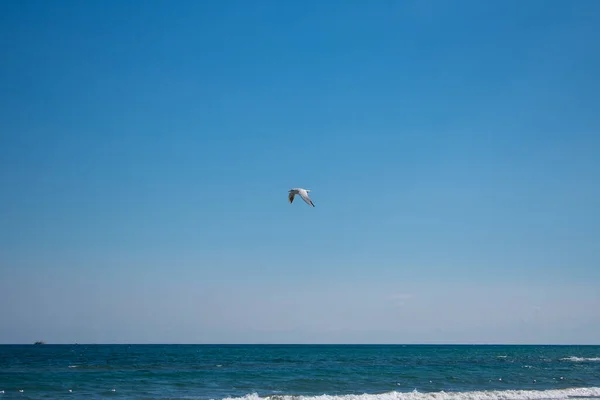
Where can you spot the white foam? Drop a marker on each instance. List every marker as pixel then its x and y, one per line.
pixel 580 359
pixel 556 394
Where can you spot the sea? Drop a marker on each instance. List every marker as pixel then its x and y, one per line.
pixel 299 372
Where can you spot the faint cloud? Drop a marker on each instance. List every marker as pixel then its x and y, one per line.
pixel 400 299
pixel 401 296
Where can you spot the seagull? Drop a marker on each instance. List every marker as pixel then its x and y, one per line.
pixel 303 193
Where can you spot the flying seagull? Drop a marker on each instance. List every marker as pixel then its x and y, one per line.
pixel 303 193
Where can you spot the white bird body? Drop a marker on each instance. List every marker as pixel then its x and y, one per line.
pixel 303 193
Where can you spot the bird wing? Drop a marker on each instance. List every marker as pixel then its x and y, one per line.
pixel 291 197
pixel 307 199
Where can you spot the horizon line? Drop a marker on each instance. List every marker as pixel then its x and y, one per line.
pixel 293 344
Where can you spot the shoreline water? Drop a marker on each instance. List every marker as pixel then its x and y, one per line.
pixel 311 372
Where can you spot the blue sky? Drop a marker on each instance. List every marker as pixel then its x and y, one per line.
pixel 146 150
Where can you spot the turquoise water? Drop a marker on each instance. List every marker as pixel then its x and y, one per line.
pixel 428 372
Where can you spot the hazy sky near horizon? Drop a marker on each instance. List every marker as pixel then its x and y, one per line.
pixel 452 149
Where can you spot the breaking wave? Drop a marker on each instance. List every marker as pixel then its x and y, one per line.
pixel 556 394
pixel 581 359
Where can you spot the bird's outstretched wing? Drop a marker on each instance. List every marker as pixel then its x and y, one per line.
pixel 306 199
pixel 291 197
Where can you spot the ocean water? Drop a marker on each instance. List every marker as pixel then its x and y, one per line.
pixel 311 372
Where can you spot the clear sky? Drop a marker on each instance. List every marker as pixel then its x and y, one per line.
pixel 452 149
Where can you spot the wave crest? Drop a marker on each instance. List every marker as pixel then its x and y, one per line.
pixel 580 359
pixel 556 394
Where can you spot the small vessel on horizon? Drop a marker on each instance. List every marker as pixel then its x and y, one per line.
pixel 39 342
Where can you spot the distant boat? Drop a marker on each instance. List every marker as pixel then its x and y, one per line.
pixel 39 342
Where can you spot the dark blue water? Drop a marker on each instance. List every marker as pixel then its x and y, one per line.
pixel 251 371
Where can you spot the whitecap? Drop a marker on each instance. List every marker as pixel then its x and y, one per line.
pixel 556 394
pixel 581 359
